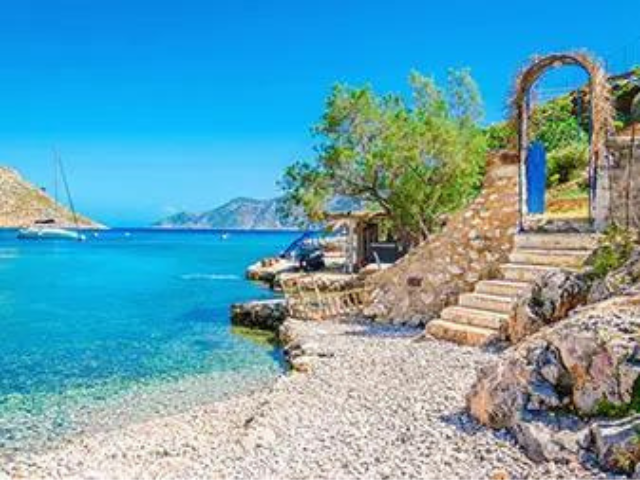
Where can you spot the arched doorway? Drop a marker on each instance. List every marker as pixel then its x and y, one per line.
pixel 600 113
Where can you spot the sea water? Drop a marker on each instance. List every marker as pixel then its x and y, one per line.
pixel 122 327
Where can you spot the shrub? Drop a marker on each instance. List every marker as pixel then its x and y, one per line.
pixel 501 136
pixel 614 250
pixel 555 124
pixel 567 163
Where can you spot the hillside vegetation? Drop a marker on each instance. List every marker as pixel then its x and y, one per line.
pixel 22 203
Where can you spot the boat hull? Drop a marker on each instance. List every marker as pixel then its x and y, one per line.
pixel 50 234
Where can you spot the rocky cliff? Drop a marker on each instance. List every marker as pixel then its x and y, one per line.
pixel 22 203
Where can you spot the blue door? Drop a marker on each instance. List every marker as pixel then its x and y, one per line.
pixel 536 177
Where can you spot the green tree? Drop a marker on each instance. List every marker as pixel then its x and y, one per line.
pixel 556 124
pixel 412 160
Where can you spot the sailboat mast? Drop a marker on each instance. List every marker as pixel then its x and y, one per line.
pixel 68 191
pixel 55 175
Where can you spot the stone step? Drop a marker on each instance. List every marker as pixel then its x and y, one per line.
pixel 474 317
pixel 462 334
pixel 524 273
pixel 482 301
pixel 556 241
pixel 552 258
pixel 501 287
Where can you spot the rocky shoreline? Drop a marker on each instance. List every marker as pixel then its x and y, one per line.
pixel 373 401
pixel 259 314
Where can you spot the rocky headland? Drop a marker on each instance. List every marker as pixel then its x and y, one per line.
pixel 23 203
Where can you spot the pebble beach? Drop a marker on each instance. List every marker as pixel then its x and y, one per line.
pixel 372 402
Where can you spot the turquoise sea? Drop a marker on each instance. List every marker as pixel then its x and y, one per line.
pixel 123 327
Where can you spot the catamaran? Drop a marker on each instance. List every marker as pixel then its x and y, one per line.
pixel 46 229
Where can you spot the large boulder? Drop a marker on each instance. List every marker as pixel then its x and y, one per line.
pixel 499 394
pixel 555 294
pixel 549 299
pixel 589 365
pixel 550 438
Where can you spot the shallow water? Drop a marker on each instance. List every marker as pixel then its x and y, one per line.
pixel 122 327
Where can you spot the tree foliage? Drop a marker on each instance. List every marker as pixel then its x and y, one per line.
pixel 412 160
pixel 556 124
pixel 563 131
pixel 501 136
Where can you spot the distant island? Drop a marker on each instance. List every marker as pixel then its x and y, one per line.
pixel 241 213
pixel 23 203
pixel 245 213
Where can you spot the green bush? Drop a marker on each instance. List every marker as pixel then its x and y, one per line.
pixel 614 250
pixel 567 163
pixel 608 409
pixel 555 124
pixel 501 136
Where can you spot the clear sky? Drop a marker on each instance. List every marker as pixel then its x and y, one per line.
pixel 163 105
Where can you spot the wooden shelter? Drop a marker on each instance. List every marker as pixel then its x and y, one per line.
pixel 363 244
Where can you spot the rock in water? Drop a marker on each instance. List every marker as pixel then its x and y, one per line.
pixel 262 314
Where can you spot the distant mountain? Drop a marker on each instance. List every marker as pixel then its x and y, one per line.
pixel 239 214
pixel 242 214
pixel 22 203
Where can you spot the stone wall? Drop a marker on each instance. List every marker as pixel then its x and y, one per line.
pixel 622 159
pixel 469 248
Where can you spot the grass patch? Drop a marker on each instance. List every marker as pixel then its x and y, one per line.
pixel 607 409
pixel 614 250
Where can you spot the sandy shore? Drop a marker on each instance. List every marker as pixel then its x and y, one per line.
pixel 376 403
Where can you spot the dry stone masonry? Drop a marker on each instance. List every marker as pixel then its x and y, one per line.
pixel 624 175
pixel 469 248
pixel 492 311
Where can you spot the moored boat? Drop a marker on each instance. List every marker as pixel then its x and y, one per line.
pixel 49 233
pixel 46 229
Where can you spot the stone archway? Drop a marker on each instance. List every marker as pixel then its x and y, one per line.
pixel 601 111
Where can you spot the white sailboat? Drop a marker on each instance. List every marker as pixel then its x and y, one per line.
pixel 46 229
pixel 38 232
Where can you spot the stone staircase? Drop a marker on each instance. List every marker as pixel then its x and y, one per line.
pixel 480 316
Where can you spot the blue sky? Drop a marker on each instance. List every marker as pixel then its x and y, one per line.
pixel 158 106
